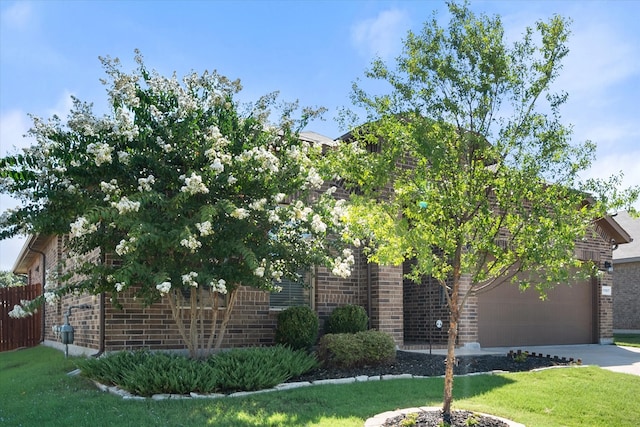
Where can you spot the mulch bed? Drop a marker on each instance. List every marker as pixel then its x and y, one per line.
pixel 424 364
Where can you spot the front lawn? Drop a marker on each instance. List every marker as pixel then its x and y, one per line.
pixel 35 390
pixel 629 340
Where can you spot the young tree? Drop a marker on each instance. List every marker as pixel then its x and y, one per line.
pixel 465 167
pixel 179 194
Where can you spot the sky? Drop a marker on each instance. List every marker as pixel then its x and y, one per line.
pixel 311 51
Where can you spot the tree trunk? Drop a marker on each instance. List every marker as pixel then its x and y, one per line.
pixel 225 319
pixel 454 317
pixel 450 363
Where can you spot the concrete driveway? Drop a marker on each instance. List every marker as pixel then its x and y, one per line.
pixel 612 357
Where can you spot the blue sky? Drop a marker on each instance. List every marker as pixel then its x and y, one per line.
pixel 311 51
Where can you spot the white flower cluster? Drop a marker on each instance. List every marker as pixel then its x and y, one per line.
pixel 276 270
pixel 193 185
pixel 205 228
pixel 144 184
pixel 314 180
pixel 189 279
pixel 339 212
pixel 124 124
pixel 273 216
pixel 51 298
pixel 342 265
pixel 191 243
pixel 259 271
pixel 317 225
pixel 125 205
pixel 217 166
pixel 300 211
pixel 164 287
pixel 124 157
pixel 101 152
pixel 220 286
pixel 126 246
pixel 120 286
pixel 166 147
pixel 258 205
pixel 19 312
pixel 109 188
pixel 240 213
pixel 81 226
pixel 265 159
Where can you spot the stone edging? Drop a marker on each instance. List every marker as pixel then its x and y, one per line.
pixel 380 419
pixel 288 386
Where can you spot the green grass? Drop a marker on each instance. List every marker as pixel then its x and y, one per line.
pixel 35 390
pixel 629 340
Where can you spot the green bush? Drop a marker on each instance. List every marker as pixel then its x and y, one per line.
pixel 297 327
pixel 144 373
pixel 111 368
pixel 259 368
pixel 347 319
pixel 367 348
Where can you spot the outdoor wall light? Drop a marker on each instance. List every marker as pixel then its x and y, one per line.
pixel 608 266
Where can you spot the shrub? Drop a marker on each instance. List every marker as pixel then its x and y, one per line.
pixel 367 348
pixel 347 319
pixel 145 373
pixel 111 368
pixel 165 373
pixel 297 327
pixel 259 368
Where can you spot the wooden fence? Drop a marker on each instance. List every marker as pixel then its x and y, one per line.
pixel 24 332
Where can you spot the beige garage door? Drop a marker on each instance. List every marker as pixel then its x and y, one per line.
pixel 508 317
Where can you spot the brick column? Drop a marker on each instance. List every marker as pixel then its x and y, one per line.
pixel 468 324
pixel 605 309
pixel 386 301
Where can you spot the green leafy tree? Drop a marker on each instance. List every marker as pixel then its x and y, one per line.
pixel 181 193
pixel 464 166
pixel 8 280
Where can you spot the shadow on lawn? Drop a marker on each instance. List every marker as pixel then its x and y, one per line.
pixel 334 404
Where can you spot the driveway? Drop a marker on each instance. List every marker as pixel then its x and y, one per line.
pixel 612 357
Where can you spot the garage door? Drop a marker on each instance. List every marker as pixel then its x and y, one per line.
pixel 508 317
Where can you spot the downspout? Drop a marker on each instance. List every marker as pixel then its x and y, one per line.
pixel 101 316
pixel 102 326
pixel 369 310
pixel 44 284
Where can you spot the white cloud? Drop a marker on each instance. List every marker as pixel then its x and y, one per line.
pixel 14 125
pixel 381 35
pixel 598 58
pixel 19 15
pixel 9 250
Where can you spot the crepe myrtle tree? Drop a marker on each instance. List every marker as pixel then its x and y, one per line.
pixel 464 167
pixel 180 194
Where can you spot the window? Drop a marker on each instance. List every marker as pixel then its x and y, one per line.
pixel 206 293
pixel 293 293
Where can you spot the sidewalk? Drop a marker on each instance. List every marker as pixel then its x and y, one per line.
pixel 611 357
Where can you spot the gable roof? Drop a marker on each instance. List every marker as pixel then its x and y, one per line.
pixel 631 251
pixel 31 250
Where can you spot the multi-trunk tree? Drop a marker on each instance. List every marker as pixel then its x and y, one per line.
pixel 464 166
pixel 180 193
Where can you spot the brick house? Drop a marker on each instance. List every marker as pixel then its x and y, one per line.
pixel 626 278
pixel 581 313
